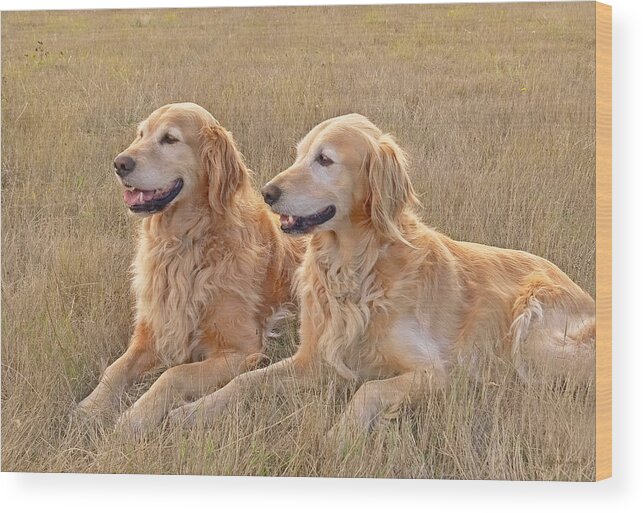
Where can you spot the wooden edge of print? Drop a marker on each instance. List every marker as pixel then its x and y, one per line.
pixel 603 241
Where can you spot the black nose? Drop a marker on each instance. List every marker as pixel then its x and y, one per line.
pixel 124 165
pixel 271 194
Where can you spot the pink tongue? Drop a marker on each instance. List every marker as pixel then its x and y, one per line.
pixel 137 197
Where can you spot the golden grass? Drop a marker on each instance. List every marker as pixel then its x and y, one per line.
pixel 495 105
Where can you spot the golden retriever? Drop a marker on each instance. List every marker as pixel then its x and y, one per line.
pixel 393 304
pixel 212 269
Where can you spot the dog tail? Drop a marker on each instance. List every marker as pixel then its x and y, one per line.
pixel 566 327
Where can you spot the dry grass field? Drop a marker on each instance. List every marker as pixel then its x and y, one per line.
pixel 494 104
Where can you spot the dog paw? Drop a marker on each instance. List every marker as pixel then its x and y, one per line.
pixel 84 409
pixel 345 436
pixel 91 410
pixel 88 406
pixel 184 416
pixel 132 424
pixel 336 436
pixel 337 442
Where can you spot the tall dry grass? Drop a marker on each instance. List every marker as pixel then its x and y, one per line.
pixel 495 105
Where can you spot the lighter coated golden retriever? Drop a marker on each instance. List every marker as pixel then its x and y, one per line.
pixel 393 304
pixel 212 269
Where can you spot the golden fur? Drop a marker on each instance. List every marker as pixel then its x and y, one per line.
pixel 389 302
pixel 211 272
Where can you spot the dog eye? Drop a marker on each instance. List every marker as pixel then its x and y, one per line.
pixel 168 139
pixel 323 160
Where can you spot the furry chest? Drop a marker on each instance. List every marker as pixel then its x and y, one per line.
pixel 171 298
pixel 346 322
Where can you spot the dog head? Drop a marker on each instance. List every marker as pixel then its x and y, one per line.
pixel 181 156
pixel 346 171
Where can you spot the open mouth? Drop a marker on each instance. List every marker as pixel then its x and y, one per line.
pixel 139 200
pixel 300 224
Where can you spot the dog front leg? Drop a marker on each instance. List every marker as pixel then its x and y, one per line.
pixel 178 384
pixel 281 376
pixel 379 399
pixel 137 359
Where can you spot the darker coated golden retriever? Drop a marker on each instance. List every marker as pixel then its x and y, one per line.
pixel 212 269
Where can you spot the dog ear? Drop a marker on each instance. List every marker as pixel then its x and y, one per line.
pixel 224 166
pixel 390 188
